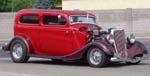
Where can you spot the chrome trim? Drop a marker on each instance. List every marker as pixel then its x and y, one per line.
pixel 1 48
pixel 82 22
pixel 17 51
pixel 116 59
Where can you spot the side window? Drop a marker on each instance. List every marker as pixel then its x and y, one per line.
pixel 53 20
pixel 31 19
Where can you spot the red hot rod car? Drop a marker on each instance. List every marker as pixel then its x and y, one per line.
pixel 70 35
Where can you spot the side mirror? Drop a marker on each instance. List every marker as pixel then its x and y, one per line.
pixel 61 20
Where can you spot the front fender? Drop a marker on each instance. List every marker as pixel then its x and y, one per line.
pixel 108 49
pixel 137 49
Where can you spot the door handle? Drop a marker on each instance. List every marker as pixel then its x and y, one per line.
pixel 66 32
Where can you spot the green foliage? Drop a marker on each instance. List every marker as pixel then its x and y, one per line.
pixel 5 5
pixel 47 4
pixel 43 4
pixel 22 4
pixel 57 4
pixel 15 5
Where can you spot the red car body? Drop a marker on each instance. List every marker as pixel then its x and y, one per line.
pixel 68 41
pixel 59 37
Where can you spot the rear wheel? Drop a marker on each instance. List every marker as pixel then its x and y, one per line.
pixel 18 52
pixel 96 57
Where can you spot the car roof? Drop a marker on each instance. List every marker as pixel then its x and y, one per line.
pixel 66 12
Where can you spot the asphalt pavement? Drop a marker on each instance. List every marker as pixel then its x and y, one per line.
pixel 45 67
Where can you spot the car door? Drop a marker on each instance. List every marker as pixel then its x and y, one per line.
pixel 28 26
pixel 55 38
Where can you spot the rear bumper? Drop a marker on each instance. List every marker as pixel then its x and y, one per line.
pixel 3 47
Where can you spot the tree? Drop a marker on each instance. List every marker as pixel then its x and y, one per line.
pixel 47 4
pixel 16 5
pixel 5 5
pixel 58 4
pixel 43 4
pixel 22 4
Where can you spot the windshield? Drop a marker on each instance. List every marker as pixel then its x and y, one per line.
pixel 82 19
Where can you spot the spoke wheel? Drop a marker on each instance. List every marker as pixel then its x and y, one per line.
pixel 96 57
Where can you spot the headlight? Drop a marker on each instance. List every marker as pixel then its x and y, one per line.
pixel 131 39
pixel 110 39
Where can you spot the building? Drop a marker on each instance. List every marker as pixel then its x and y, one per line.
pixel 132 15
pixel 104 4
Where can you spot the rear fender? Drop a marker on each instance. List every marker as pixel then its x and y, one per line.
pixel 108 49
pixel 22 38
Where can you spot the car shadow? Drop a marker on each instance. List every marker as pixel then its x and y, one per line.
pixel 62 63
pixel 82 64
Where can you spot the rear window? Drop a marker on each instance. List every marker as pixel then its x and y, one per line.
pixel 31 19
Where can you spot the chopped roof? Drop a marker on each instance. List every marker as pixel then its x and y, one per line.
pixel 67 12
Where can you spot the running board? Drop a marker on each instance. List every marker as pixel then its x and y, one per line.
pixel 44 56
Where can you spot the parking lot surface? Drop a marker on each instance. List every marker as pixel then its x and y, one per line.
pixel 45 67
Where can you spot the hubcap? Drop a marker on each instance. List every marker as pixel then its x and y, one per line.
pixel 17 51
pixel 95 56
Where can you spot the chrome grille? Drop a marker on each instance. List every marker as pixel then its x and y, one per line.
pixel 120 42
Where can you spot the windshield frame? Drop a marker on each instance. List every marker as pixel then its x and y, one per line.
pixel 82 22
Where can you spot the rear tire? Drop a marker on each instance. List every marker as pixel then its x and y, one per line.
pixel 18 52
pixel 97 58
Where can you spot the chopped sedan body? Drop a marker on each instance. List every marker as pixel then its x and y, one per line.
pixel 70 35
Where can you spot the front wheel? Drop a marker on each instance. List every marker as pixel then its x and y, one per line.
pixel 135 60
pixel 96 57
pixel 18 52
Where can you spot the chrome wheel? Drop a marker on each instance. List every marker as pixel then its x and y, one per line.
pixel 95 56
pixel 17 51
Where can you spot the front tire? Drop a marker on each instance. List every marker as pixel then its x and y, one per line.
pixel 135 60
pixel 97 58
pixel 18 52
